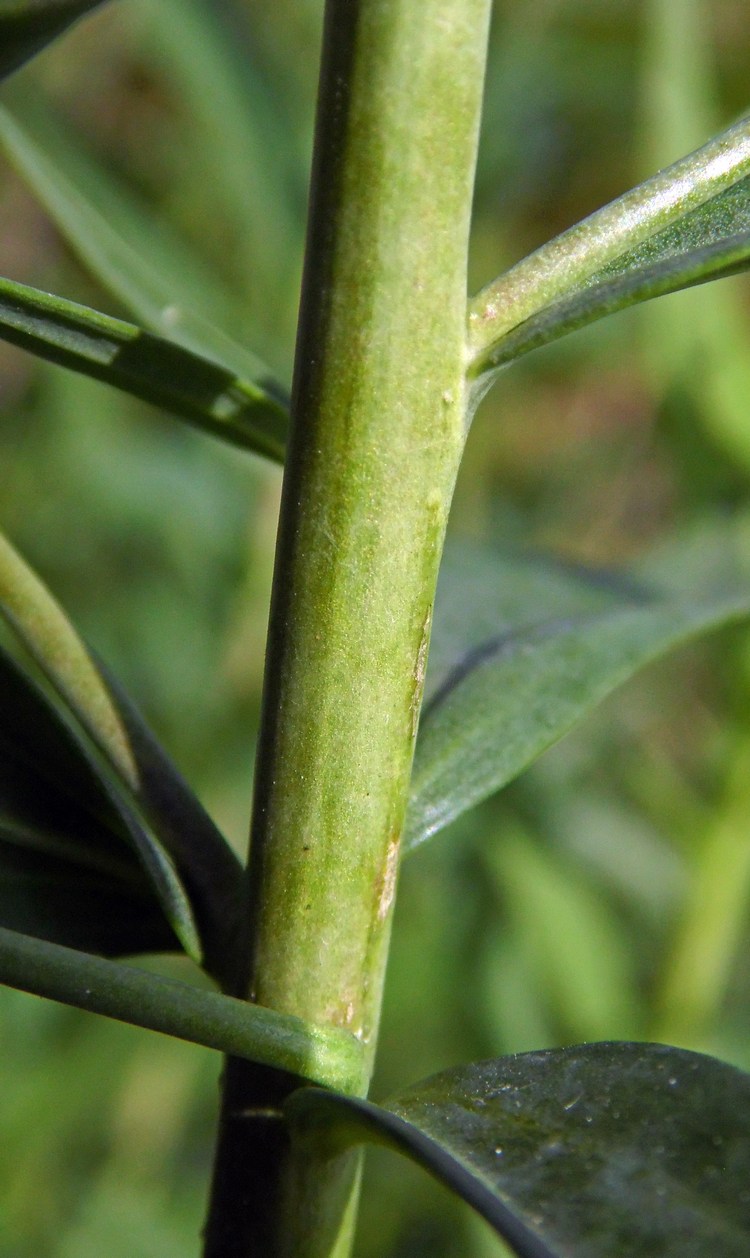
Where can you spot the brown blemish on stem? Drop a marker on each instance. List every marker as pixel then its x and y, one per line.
pixel 420 668
pixel 388 879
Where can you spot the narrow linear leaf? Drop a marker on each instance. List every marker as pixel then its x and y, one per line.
pixel 27 26
pixel 39 621
pixel 584 1152
pixel 152 368
pixel 633 284
pixel 87 741
pixel 484 592
pixel 323 1054
pixel 206 53
pixel 135 258
pixel 210 871
pixel 672 209
pixel 103 795
pixel 514 695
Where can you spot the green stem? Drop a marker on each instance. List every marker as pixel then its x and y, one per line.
pixel 324 1054
pixel 378 427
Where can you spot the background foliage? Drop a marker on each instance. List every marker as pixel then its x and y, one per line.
pixel 603 895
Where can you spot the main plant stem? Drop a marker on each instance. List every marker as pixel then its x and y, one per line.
pixel 378 427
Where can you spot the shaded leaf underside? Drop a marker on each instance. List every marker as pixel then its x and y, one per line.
pixel 556 653
pixel 86 792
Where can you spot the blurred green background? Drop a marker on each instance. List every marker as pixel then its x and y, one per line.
pixel 604 895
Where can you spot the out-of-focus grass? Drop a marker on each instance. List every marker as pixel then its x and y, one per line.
pixel 571 907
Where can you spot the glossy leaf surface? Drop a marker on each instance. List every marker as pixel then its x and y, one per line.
pixel 27 26
pixel 81 769
pixel 687 224
pixel 150 367
pixel 555 654
pixel 670 265
pixel 632 1150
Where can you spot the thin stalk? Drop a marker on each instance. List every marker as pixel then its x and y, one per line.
pixel 379 409
pixel 163 1004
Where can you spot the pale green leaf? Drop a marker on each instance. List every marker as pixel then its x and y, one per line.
pixel 132 255
pixel 656 269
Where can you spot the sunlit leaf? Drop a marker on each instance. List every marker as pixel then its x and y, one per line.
pixel 27 26
pixel 643 274
pixel 509 697
pixel 150 367
pixel 687 224
pixel 585 1152
pixel 135 995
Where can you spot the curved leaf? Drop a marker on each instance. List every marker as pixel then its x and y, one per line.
pixel 86 743
pixel 210 871
pixel 135 258
pixel 483 592
pixel 150 367
pixel 585 1152
pixel 69 872
pixel 40 623
pixel 515 694
pixel 27 26
pixel 700 200
pixel 636 280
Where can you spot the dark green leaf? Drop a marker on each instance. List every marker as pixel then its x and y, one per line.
pixel 69 903
pixel 68 871
pixel 27 26
pixel 633 1150
pixel 153 368
pixel 79 745
pixel 509 697
pixel 210 871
